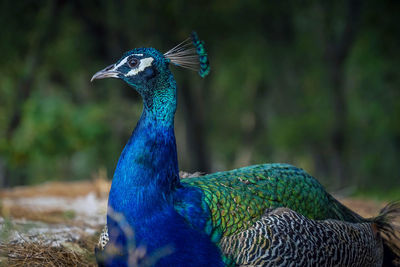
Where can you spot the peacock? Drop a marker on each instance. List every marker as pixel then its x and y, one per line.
pixel 205 220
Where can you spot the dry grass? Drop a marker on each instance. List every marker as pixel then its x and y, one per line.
pixel 79 253
pixel 99 185
pixel 11 207
pixel 36 254
pixel 46 216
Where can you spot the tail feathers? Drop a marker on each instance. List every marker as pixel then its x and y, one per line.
pixel 388 226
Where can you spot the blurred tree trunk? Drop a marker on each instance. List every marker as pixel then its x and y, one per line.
pixel 2 172
pixel 46 28
pixel 251 127
pixel 337 50
pixel 194 118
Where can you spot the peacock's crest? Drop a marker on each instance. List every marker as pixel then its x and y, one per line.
pixel 190 54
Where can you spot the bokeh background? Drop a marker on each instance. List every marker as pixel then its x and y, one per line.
pixel 311 83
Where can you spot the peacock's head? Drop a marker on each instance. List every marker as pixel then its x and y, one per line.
pixel 145 68
pixel 140 68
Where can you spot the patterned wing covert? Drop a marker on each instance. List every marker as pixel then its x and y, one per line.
pixel 283 237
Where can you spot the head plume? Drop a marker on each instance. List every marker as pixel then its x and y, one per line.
pixel 190 54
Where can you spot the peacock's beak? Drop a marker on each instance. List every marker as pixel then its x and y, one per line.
pixel 107 72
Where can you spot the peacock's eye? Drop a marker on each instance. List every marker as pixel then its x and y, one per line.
pixel 133 62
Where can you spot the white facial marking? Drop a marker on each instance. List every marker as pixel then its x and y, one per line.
pixel 144 63
pixel 122 62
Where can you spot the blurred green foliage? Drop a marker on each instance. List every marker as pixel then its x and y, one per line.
pixel 311 83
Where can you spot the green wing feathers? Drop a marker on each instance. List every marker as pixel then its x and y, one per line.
pixel 238 198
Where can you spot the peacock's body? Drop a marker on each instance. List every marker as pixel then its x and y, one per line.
pixel 187 222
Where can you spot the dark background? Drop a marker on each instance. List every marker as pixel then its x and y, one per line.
pixel 311 83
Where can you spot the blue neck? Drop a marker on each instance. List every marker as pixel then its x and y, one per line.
pixel 144 188
pixel 147 171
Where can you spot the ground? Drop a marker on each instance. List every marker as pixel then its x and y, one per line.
pixel 58 223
